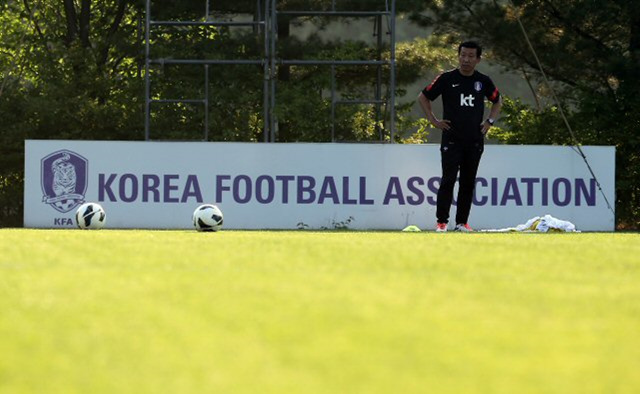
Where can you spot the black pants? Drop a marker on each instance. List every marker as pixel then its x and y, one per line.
pixel 463 158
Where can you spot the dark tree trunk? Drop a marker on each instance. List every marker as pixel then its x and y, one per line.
pixel 72 21
pixel 85 20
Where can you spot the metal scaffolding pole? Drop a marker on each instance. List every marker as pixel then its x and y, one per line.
pixel 392 89
pixel 273 33
pixel 147 81
pixel 266 76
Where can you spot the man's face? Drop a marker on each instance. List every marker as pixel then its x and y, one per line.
pixel 468 59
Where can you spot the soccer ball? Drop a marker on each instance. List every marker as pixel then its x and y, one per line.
pixel 207 217
pixel 90 216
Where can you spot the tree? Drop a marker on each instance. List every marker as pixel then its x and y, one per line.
pixel 591 52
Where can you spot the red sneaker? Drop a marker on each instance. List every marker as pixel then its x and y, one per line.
pixel 441 227
pixel 465 228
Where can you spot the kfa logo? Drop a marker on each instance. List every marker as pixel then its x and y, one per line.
pixel 63 177
pixel 466 101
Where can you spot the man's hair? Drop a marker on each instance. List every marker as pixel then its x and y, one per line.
pixel 472 45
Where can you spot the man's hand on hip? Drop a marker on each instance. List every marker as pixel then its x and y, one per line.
pixel 443 124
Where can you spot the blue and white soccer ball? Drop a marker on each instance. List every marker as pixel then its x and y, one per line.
pixel 207 217
pixel 90 216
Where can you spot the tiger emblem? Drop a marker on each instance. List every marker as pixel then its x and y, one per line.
pixel 64 176
pixel 64 180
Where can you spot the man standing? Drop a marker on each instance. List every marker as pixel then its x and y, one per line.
pixel 463 92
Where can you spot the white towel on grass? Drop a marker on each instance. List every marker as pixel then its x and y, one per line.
pixel 541 224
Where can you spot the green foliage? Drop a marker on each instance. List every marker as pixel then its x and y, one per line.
pixel 420 136
pixel 11 201
pixel 432 53
pixel 521 124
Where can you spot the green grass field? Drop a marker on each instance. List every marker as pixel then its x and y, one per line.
pixel 116 311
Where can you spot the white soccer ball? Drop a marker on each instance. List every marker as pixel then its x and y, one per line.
pixel 90 216
pixel 207 217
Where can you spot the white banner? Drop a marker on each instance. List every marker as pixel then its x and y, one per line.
pixel 288 186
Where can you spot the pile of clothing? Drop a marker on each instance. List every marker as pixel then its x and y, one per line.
pixel 541 224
